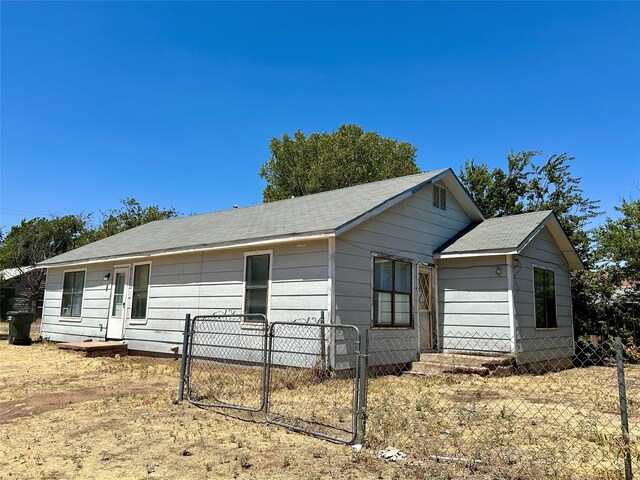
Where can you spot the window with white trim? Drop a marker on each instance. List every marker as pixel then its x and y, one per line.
pixel 140 292
pixel 256 283
pixel 72 290
pixel 439 197
pixel 391 293
pixel 545 298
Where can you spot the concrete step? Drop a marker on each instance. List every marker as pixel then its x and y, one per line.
pixel 97 349
pixel 423 368
pixel 457 363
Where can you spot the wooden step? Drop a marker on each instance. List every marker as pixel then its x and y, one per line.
pixel 97 349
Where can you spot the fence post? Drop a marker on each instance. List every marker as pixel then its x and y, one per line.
pixel 183 364
pixel 363 374
pixel 624 417
pixel 323 345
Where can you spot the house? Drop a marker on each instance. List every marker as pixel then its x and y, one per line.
pixel 26 290
pixel 410 259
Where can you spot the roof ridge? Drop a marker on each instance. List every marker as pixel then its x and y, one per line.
pixel 310 195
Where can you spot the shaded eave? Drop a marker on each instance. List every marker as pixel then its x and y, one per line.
pixel 559 235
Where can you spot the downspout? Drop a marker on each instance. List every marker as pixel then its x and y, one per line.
pixel 512 310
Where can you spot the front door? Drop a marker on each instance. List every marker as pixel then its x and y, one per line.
pixel 425 309
pixel 118 309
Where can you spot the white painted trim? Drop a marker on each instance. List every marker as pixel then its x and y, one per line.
pixel 44 300
pixel 491 253
pixel 512 308
pixel 331 285
pixel 232 246
pixel 244 280
pixel 84 287
pixel 555 295
pixel 330 341
pixel 126 300
pixel 436 306
pixel 139 321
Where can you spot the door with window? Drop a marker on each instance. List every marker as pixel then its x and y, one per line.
pixel 425 309
pixel 118 309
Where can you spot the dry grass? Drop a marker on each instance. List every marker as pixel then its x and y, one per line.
pixel 65 416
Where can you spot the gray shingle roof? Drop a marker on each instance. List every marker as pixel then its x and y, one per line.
pixel 501 233
pixel 312 214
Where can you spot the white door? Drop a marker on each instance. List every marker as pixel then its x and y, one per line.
pixel 425 309
pixel 118 310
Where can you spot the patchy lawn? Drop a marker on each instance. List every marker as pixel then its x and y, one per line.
pixel 66 416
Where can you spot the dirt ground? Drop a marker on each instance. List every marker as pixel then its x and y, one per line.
pixel 66 416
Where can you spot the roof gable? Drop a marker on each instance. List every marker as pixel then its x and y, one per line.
pixel 509 235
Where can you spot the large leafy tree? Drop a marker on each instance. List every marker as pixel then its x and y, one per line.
pixel 302 164
pixel 35 240
pixel 131 214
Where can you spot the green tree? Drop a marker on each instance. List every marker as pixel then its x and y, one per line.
pixel 325 161
pixel 35 240
pixel 618 243
pixel 130 215
pixel 528 187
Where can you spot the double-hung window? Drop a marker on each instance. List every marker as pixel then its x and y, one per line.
pixel 545 298
pixel 72 288
pixel 391 293
pixel 140 292
pixel 256 284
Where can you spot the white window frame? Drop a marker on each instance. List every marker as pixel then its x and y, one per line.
pixel 130 319
pixel 533 294
pixel 244 282
pixel 414 273
pixel 84 288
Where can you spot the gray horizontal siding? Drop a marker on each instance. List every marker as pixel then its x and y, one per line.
pixel 412 229
pixel 196 283
pixel 539 345
pixel 473 304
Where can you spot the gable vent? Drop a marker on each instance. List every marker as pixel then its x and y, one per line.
pixel 439 197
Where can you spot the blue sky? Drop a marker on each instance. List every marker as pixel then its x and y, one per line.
pixel 175 103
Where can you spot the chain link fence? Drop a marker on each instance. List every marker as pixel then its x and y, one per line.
pixel 556 408
pixel 551 410
pixel 304 392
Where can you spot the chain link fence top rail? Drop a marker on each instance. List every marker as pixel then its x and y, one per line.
pixel 551 410
pixel 226 361
pixel 305 394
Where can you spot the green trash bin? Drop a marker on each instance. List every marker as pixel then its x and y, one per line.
pixel 20 327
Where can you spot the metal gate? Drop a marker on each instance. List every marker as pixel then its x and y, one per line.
pixel 226 360
pixel 281 370
pixel 303 392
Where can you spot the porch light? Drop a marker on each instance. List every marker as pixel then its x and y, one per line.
pixel 106 277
